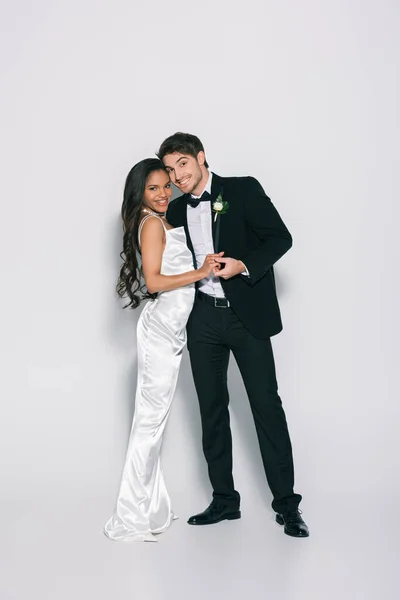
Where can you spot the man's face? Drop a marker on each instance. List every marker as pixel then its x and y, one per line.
pixel 187 172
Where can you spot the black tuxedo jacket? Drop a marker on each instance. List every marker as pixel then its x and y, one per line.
pixel 252 231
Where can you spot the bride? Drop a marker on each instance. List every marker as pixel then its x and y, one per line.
pixel 143 507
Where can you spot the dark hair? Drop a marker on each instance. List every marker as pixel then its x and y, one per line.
pixel 184 143
pixel 129 282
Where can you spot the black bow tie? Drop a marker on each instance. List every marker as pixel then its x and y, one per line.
pixel 196 201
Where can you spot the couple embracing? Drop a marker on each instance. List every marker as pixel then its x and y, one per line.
pixel 207 261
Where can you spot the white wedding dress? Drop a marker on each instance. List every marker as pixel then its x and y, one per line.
pixel 143 506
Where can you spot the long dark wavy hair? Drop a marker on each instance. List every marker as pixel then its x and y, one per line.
pixel 130 277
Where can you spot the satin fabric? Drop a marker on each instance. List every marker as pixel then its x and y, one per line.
pixel 143 506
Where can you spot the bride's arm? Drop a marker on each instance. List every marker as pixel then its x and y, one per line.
pixel 152 247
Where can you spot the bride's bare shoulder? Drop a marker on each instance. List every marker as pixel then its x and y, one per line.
pixel 151 227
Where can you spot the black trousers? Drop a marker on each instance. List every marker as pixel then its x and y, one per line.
pixel 212 334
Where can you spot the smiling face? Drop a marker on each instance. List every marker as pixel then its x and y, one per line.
pixel 187 172
pixel 157 192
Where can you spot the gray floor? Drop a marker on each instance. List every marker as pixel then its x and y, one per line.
pixel 53 548
pixel 61 490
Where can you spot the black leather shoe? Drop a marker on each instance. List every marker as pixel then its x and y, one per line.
pixel 214 514
pixel 293 523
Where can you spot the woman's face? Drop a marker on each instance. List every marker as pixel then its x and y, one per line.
pixel 157 192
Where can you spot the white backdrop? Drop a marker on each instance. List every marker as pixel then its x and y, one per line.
pixel 303 96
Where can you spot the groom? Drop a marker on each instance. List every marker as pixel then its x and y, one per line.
pixel 235 311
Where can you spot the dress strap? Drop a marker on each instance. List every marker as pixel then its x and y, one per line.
pixel 146 218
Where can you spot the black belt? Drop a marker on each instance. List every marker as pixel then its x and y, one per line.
pixel 212 301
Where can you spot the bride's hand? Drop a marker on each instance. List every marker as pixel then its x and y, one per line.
pixel 217 266
pixel 210 265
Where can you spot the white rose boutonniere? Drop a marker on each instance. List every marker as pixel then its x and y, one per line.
pixel 220 206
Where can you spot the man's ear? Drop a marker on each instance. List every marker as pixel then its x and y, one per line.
pixel 201 158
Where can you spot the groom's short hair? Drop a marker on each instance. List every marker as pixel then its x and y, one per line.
pixel 184 143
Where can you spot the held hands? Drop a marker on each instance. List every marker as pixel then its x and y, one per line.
pixel 210 266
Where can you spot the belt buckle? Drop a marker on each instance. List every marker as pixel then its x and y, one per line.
pixel 221 303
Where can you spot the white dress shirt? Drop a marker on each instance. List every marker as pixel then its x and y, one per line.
pixel 200 230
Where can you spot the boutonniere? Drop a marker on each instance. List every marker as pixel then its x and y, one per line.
pixel 220 206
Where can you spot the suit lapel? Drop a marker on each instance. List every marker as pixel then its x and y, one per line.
pixel 183 219
pixel 216 188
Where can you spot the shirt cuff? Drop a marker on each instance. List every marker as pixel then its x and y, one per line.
pixel 245 273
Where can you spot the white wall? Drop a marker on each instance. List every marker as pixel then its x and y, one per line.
pixel 305 97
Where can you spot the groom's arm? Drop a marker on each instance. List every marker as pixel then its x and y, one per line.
pixel 264 219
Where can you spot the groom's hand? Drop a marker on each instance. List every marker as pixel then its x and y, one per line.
pixel 231 267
